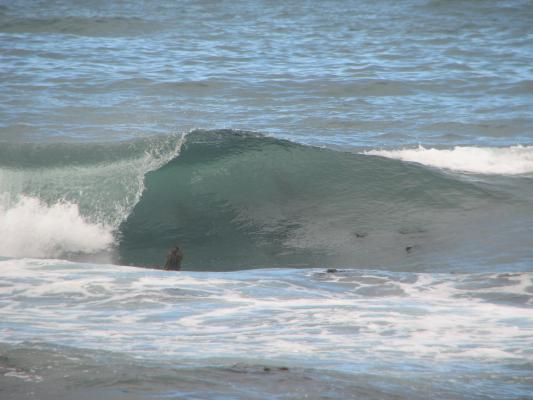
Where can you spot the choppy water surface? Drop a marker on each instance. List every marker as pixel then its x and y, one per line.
pixel 344 333
pixel 335 72
pixel 391 142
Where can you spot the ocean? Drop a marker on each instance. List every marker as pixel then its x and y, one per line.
pixel 351 183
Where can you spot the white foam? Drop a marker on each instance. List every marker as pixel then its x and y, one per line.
pixel 291 314
pixel 31 228
pixel 512 160
pixel 19 374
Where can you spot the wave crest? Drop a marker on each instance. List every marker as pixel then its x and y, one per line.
pixel 235 199
pixel 232 199
pixel 514 160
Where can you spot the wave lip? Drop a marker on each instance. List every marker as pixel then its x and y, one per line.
pixel 513 160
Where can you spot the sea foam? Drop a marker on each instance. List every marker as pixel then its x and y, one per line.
pixel 514 160
pixel 31 228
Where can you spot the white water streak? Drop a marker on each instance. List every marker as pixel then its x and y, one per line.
pixel 512 160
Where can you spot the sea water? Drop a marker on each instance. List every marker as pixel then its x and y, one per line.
pixel 351 184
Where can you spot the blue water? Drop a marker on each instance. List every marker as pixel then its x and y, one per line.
pixel 389 142
pixel 340 72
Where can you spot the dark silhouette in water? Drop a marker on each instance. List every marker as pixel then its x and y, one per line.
pixel 174 258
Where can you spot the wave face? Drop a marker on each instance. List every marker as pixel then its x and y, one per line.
pixel 236 200
pixel 514 160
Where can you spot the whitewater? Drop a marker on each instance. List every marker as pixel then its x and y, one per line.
pixel 254 334
pixel 351 184
pixel 514 160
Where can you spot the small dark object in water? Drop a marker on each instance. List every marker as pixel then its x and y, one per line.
pixel 174 258
pixel 332 270
pixel 269 369
pixel 360 234
pixel 408 249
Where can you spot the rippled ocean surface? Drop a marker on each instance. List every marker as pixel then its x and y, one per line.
pixel 351 183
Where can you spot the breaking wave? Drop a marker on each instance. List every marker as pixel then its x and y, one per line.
pixel 31 228
pixel 63 199
pixel 239 199
pixel 233 200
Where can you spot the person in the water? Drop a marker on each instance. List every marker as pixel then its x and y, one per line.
pixel 174 258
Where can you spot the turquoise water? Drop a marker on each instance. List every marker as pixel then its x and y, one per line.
pixel 389 143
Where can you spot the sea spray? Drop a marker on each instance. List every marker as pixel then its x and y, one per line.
pixel 31 228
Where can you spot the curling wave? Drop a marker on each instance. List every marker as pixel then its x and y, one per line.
pixel 59 199
pixel 235 200
pixel 239 199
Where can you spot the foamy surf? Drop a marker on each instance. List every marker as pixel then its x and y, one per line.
pixel 66 322
pixel 31 228
pixel 513 160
